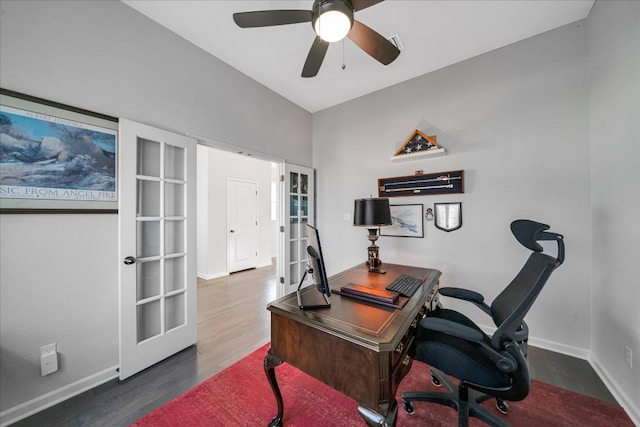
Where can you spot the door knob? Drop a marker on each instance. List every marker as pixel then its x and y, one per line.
pixel 232 231
pixel 129 260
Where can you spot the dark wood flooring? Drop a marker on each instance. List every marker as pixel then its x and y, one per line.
pixel 233 321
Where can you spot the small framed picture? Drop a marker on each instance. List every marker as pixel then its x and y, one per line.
pixel 406 221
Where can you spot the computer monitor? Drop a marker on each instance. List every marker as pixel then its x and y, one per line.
pixel 318 271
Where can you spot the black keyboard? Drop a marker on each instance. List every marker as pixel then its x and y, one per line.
pixel 405 285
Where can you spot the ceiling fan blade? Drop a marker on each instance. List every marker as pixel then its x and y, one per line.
pixel 363 4
pixel 315 57
pixel 378 47
pixel 269 18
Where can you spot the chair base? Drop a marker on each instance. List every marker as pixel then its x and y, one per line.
pixel 460 398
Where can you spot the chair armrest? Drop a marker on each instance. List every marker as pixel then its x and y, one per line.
pixel 451 328
pixel 466 295
pixel 503 360
pixel 461 293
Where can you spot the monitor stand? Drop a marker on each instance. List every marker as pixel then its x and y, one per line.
pixel 310 297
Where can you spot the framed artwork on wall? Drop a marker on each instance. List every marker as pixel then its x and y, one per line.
pixel 56 158
pixel 422 184
pixel 406 221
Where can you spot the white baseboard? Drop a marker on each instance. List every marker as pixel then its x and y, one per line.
pixel 627 404
pixel 580 353
pixel 614 388
pixel 54 397
pixel 630 406
pixel 223 274
pixel 211 276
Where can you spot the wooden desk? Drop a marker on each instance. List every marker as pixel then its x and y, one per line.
pixel 357 348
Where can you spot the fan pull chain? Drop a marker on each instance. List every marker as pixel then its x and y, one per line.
pixel 343 61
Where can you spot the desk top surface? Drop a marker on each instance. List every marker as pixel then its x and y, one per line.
pixel 366 323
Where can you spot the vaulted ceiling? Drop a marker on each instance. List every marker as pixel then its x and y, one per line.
pixel 433 34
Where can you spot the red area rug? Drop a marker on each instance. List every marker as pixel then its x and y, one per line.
pixel 240 396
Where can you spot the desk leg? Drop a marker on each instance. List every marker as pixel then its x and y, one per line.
pixel 270 362
pixel 374 419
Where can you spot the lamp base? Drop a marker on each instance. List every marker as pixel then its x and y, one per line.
pixel 377 270
pixel 374 262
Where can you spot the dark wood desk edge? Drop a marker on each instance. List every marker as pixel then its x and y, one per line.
pixel 411 309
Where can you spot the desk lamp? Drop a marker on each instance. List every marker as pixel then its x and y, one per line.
pixel 371 214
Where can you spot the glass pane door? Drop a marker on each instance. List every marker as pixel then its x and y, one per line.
pixel 161 238
pixel 157 239
pixel 298 191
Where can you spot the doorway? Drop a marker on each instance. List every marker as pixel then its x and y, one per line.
pixel 217 169
pixel 285 205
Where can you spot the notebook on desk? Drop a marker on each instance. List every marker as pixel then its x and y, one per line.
pixel 375 296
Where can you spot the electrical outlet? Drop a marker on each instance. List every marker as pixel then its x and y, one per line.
pixel 48 349
pixel 628 356
pixel 48 359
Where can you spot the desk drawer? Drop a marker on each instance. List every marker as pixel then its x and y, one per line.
pixel 400 360
pixel 402 349
pixel 432 300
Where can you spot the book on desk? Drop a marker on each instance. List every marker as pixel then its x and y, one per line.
pixel 371 295
pixel 394 295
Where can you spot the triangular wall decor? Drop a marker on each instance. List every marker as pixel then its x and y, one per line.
pixel 418 145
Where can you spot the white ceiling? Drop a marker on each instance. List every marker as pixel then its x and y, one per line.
pixel 434 34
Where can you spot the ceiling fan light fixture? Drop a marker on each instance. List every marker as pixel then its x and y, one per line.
pixel 332 19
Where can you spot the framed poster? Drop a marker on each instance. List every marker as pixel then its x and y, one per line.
pixel 55 158
pixel 406 221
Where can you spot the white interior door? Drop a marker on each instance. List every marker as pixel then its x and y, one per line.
pixel 157 227
pixel 242 219
pixel 297 189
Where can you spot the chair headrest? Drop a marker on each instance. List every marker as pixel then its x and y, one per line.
pixel 528 233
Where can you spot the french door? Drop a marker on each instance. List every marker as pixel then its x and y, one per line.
pixel 297 189
pixel 157 227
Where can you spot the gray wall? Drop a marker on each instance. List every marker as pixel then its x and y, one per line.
pixel 545 129
pixel 106 57
pixel 58 273
pixel 614 137
pixel 516 121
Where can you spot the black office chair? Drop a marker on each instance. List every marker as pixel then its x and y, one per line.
pixel 493 367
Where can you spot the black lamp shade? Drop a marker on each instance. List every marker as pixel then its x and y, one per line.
pixel 372 212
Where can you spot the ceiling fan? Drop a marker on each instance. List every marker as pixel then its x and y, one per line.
pixel 332 20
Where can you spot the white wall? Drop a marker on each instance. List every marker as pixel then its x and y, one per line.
pixel 212 207
pixel 614 137
pixel 516 121
pixel 58 273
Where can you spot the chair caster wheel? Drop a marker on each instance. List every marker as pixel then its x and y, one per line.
pixel 408 407
pixel 502 406
pixel 435 381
